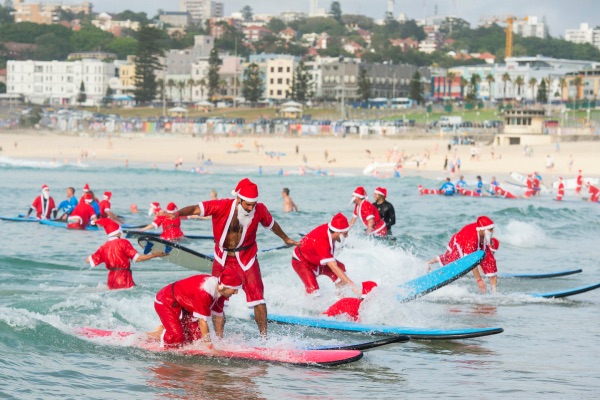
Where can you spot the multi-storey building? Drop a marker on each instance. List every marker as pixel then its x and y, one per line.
pixel 59 82
pixel 279 77
pixel 179 62
pixel 46 13
pixel 202 10
pixel 531 27
pixel 584 34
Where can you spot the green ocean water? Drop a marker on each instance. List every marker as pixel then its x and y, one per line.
pixel 549 348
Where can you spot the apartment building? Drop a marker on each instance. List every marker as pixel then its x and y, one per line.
pixel 202 10
pixel 46 13
pixel 279 77
pixel 584 34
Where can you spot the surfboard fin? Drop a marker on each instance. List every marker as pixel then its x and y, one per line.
pixel 148 247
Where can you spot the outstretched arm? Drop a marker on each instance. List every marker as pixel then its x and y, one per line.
pixel 344 278
pixel 149 256
pixel 279 232
pixel 184 212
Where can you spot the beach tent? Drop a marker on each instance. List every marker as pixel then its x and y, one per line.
pixel 177 111
pixel 291 104
pixel 291 112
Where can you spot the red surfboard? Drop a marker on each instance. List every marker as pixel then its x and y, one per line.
pixel 287 356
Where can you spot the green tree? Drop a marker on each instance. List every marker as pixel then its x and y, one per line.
pixel 90 38
pixel 364 85
pixel 276 25
pixel 578 82
pixel 50 47
pixel 81 96
pixel 247 13
pixel 122 46
pixel 107 99
pixel 301 84
pixel 415 90
pixel 147 63
pixel 463 84
pixel 450 78
pixel 214 64
pixel 140 17
pixel 542 92
pixel 171 84
pixel 532 84
pixel 474 87
pixel 506 79
pixel 335 10
pixel 181 85
pixel 562 84
pixel 520 82
pixel 5 13
pixel 490 80
pixel 252 85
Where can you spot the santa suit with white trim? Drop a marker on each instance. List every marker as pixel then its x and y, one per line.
pixel 117 255
pixel 488 266
pixel 561 190
pixel 82 214
pixel 245 260
pixel 366 211
pixel 105 205
pixel 181 304
pixel 43 205
pixel 171 226
pixel 466 241
pixel 350 305
pixel 316 249
pixel 594 192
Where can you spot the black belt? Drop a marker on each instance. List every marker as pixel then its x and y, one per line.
pixel 238 249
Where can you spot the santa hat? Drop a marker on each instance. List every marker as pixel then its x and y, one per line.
pixel 339 223
pixel 171 207
pixel 110 227
pixel 382 191
pixel 241 183
pixel 86 188
pixel 88 197
pixel 494 245
pixel 367 286
pixel 107 195
pixel 45 187
pixel 560 178
pixel 484 223
pixel 360 192
pixel 230 278
pixel 248 192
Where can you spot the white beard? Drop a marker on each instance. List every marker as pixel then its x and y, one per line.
pixel 244 217
pixel 487 238
pixel 46 195
pixel 150 211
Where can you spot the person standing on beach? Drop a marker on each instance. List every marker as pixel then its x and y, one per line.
pixel 117 254
pixel 43 205
pixel 288 203
pixel 315 255
pixel 67 206
pixel 367 213
pixel 235 224
pixel 472 237
pixel 385 208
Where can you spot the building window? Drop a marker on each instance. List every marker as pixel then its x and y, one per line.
pixel 279 93
pixel 272 81
pixel 280 69
pixel 287 81
pixel 272 69
pixel 288 69
pixel 271 93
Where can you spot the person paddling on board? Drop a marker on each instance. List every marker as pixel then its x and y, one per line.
pixel 351 305
pixel 185 306
pixel 43 205
pixel 235 224
pixel 83 214
pixel 171 226
pixel 461 183
pixel 85 190
pixel 479 189
pixel 105 211
pixel 493 185
pixel 561 189
pixel 488 267
pixel 385 208
pixel 117 254
pixel 448 188
pixel 367 213
pixel 67 206
pixel 472 237
pixel 315 255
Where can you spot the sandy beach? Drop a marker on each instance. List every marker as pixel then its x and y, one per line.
pixel 350 154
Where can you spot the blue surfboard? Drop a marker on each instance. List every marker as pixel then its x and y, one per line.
pixel 19 219
pixel 63 224
pixel 440 277
pixel 413 333
pixel 540 276
pixel 568 292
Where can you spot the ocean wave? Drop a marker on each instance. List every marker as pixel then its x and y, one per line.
pixel 26 163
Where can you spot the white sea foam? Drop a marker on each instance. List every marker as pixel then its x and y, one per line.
pixel 18 162
pixel 521 234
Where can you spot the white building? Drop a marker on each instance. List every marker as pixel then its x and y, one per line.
pixel 59 82
pixel 531 27
pixel 201 10
pixel 279 77
pixel 584 34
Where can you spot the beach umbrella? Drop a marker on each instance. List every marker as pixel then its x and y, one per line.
pixel 291 104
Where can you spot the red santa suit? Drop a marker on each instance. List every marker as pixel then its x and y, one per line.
pixel 423 191
pixel 488 264
pixel 350 305
pixel 530 190
pixel 43 207
pixel 594 193
pixel 469 193
pixel 116 254
pixel 579 182
pixel 561 190
pixel 316 249
pixel 466 241
pixel 366 211
pixel 503 193
pixel 181 304
pixel 82 214
pixel 171 226
pixel 245 260
pixel 105 205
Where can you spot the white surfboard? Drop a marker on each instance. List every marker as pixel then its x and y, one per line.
pixel 522 179
pixel 375 166
pixel 571 184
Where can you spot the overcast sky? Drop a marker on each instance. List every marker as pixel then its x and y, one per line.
pixel 560 14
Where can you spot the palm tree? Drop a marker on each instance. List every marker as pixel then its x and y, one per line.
pixel 532 84
pixel 578 82
pixel 475 81
pixel 223 87
pixel 191 83
pixel 202 84
pixel 463 84
pixel 450 79
pixel 562 83
pixel 160 83
pixel 181 85
pixel 519 81
pixel 490 79
pixel 549 82
pixel 171 84
pixel 505 79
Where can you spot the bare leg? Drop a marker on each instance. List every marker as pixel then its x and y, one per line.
pixel 260 316
pixel 493 283
pixel 155 335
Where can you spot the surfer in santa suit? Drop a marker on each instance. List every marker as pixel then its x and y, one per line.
pixel 43 205
pixel 367 214
pixel 171 226
pixel 117 254
pixel 184 307
pixel 488 266
pixel 594 192
pixel 472 237
pixel 83 214
pixel 105 211
pixel 315 255
pixel 351 305
pixel 235 225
